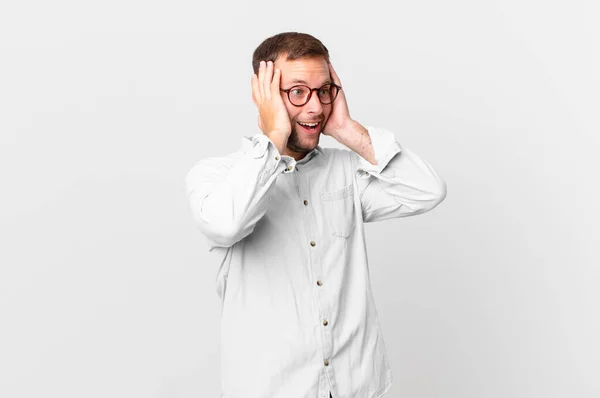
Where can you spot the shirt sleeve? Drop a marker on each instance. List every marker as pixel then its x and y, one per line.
pixel 400 185
pixel 229 195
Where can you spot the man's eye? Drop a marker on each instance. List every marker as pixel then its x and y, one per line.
pixel 296 91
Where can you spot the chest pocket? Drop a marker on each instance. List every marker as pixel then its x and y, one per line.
pixel 339 211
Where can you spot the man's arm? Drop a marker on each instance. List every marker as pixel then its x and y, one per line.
pixel 229 195
pixel 392 181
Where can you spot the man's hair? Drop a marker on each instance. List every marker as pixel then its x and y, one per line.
pixel 296 45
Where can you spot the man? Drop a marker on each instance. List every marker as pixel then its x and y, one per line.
pixel 285 218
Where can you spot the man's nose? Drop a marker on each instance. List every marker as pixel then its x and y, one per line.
pixel 314 105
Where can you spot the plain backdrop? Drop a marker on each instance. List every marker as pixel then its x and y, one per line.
pixel 106 288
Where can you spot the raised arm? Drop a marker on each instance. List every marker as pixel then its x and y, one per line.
pixel 399 183
pixel 229 195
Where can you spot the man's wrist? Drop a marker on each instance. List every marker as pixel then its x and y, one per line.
pixel 348 131
pixel 278 141
pixel 356 137
pixel 349 134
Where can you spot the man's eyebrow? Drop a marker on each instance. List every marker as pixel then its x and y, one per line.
pixel 303 82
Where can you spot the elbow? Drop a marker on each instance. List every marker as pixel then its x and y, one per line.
pixel 437 196
pixel 427 199
pixel 221 237
pixel 211 216
pixel 220 233
pixel 219 225
pixel 441 193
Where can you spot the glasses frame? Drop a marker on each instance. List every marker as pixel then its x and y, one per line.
pixel 287 91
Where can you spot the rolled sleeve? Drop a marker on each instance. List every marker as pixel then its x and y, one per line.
pixel 259 146
pixel 400 184
pixel 385 148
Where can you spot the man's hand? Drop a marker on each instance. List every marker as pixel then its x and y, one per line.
pixel 273 118
pixel 339 120
pixel 345 130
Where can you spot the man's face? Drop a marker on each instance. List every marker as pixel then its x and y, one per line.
pixel 314 73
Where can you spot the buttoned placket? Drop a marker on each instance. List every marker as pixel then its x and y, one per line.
pixel 316 268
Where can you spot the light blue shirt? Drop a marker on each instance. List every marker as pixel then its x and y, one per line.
pixel 298 314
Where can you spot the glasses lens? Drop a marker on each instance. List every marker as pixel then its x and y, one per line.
pixel 327 93
pixel 298 95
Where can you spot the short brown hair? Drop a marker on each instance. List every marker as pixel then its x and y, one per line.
pixel 296 45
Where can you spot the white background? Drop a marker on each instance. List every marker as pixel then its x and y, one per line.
pixel 105 285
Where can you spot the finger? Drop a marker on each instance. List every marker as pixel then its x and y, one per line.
pixel 334 75
pixel 275 83
pixel 267 80
pixel 255 91
pixel 261 77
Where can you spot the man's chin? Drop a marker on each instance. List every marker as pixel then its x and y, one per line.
pixel 311 141
pixel 305 144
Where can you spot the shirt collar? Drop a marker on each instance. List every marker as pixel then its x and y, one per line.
pixel 250 142
pixel 310 155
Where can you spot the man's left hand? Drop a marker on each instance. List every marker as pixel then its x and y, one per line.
pixel 339 119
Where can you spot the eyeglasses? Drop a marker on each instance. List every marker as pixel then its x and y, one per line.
pixel 300 95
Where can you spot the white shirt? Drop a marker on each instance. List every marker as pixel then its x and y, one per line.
pixel 298 315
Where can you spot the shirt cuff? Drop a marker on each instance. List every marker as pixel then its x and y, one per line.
pixel 255 146
pixel 260 146
pixel 385 147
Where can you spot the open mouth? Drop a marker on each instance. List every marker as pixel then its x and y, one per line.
pixel 310 128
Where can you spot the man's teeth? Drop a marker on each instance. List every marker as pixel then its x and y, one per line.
pixel 308 124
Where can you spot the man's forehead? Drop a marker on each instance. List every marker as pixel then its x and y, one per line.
pixel 302 81
pixel 303 70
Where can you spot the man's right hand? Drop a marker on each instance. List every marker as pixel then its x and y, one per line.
pixel 273 118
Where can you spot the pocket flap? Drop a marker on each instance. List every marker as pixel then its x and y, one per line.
pixel 338 194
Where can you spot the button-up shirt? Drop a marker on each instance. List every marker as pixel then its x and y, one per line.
pixel 298 314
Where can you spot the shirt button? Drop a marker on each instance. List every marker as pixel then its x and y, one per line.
pixel 290 168
pixel 305 202
pixel 367 174
pixel 312 243
pixel 326 362
pixel 319 283
pixel 276 157
pixel 325 323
